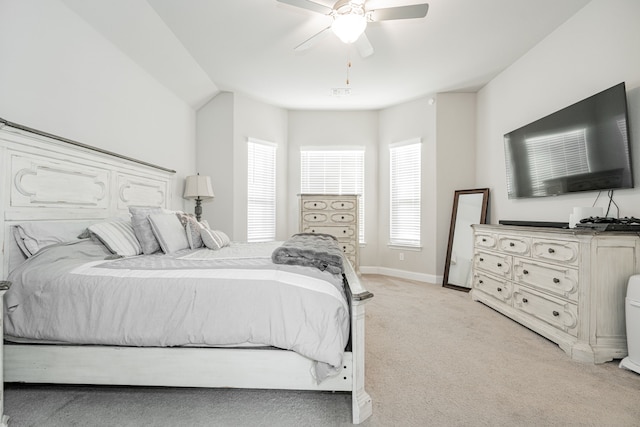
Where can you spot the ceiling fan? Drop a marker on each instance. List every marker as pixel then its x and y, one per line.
pixel 350 18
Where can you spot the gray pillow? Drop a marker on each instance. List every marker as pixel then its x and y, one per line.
pixel 192 228
pixel 169 232
pixel 142 227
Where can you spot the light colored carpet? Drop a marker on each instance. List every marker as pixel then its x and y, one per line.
pixel 434 358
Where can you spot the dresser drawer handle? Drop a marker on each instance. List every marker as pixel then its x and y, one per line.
pixel 524 300
pixel 315 217
pixel 484 240
pixel 512 244
pixel 555 313
pixel 313 231
pixel 499 289
pixel 481 281
pixel 315 204
pixel 342 217
pixel 344 231
pixel 556 280
pixel 551 251
pixel 525 271
pixel 342 204
pixel 499 264
pixel 481 259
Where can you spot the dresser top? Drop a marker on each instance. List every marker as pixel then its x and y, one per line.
pixel 557 231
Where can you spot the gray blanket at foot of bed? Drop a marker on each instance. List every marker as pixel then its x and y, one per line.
pixel 311 250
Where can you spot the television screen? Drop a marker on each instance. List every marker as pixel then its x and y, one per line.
pixel 583 147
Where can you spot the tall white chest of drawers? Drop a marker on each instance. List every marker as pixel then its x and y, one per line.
pixel 336 215
pixel 567 285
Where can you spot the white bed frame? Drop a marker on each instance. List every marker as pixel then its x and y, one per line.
pixel 48 178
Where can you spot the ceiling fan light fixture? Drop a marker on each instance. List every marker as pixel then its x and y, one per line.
pixel 349 27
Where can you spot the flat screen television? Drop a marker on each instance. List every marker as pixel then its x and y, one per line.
pixel 583 147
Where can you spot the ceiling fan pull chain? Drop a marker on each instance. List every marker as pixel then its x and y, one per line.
pixel 348 64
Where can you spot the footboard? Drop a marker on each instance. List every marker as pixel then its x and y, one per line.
pixel 195 367
pixel 361 404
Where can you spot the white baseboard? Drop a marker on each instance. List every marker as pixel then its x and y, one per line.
pixel 402 274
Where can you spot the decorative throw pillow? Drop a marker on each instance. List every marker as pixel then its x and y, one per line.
pixel 214 239
pixel 222 238
pixel 169 232
pixel 192 229
pixel 142 227
pixel 117 236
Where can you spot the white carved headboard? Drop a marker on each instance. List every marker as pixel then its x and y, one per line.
pixel 48 178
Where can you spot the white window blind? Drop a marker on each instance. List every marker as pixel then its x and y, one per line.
pixel 261 191
pixel 334 172
pixel 553 156
pixel 405 193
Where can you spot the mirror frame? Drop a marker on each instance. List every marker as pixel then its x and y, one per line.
pixel 452 229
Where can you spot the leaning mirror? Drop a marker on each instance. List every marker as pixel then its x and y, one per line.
pixel 469 207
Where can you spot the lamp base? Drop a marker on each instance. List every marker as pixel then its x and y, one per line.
pixel 198 210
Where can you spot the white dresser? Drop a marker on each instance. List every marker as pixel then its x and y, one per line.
pixel 336 215
pixel 567 285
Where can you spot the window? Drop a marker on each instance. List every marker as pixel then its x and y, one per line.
pixel 261 191
pixel 334 172
pixel 405 193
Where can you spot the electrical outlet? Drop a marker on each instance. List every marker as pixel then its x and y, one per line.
pixel 401 255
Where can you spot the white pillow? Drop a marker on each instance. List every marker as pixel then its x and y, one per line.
pixel 118 237
pixel 214 239
pixel 169 232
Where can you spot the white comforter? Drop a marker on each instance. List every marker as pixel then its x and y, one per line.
pixel 71 294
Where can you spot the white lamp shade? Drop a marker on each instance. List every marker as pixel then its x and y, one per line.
pixel 198 186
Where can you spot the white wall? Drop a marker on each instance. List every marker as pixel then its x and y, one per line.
pixel 214 157
pixel 447 130
pixel 224 125
pixel 337 128
pixel 60 76
pixel 416 119
pixel 594 50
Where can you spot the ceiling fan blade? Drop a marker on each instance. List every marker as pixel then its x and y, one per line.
pixel 312 40
pixel 364 46
pixel 400 12
pixel 309 5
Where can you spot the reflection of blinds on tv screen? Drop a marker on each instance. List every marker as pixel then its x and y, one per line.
pixel 583 147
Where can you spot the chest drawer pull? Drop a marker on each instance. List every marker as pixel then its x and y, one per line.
pixel 499 289
pixel 315 217
pixel 555 313
pixel 525 271
pixel 556 280
pixel 499 264
pixel 481 259
pixel 524 300
pixel 551 250
pixel 484 240
pixel 481 281
pixel 512 244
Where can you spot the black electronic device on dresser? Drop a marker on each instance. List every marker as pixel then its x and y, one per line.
pixel 552 224
pixel 610 224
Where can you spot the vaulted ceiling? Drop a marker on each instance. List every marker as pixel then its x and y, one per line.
pixel 197 48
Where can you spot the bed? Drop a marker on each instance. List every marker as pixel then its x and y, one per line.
pixel 48 181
